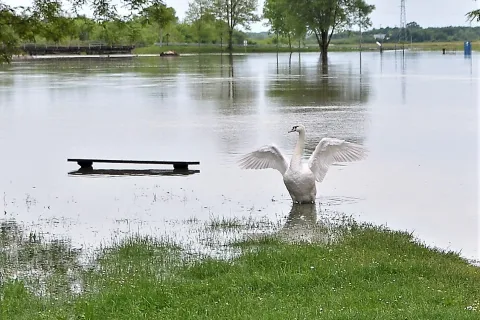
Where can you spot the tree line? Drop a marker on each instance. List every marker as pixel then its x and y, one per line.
pixel 207 21
pixel 150 21
pixel 414 33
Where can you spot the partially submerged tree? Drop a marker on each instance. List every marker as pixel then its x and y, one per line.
pixel 235 13
pixel 325 17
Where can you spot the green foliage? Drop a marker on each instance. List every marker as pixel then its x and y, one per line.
pixel 204 25
pixel 160 15
pixel 282 22
pixel 148 21
pixel 15 26
pixel 325 17
pixel 47 20
pixel 474 15
pixel 106 10
pixel 235 13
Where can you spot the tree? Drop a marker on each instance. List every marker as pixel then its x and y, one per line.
pixel 58 29
pixel 199 15
pixel 84 27
pixel 159 14
pixel 413 25
pixel 274 12
pixel 235 13
pixel 197 9
pixel 51 20
pixel 325 17
pixel 14 26
pixel 473 15
pixel 20 24
pixel 104 10
pixel 282 22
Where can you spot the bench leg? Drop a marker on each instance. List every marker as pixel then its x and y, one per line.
pixel 180 166
pixel 85 164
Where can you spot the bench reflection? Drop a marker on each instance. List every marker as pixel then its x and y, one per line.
pixel 132 172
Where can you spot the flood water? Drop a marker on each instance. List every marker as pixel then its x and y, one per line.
pixel 417 115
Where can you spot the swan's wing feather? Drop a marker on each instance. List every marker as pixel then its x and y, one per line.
pixel 331 150
pixel 268 156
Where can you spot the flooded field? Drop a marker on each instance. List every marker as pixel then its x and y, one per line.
pixel 417 115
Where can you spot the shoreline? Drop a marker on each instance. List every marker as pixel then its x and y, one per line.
pixel 447 48
pixel 18 58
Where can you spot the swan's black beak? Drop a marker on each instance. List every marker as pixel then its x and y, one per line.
pixel 294 129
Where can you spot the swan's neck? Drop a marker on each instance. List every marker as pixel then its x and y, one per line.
pixel 298 151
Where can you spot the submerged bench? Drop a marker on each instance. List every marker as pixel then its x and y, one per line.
pixel 88 163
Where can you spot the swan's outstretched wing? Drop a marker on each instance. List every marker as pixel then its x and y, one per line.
pixel 268 156
pixel 330 150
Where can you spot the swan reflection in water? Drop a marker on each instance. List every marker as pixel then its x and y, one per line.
pixel 303 225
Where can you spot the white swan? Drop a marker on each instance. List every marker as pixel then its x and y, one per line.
pixel 299 177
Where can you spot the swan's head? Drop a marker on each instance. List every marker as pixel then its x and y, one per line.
pixel 298 129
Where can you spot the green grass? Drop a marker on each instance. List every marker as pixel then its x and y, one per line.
pixel 313 47
pixel 371 274
pixel 225 223
pixel 217 49
pixel 334 47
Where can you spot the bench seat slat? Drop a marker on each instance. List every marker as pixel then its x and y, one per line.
pixel 134 161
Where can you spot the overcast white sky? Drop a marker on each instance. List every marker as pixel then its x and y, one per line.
pixel 387 13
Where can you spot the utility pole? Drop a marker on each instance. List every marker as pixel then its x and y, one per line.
pixel 402 38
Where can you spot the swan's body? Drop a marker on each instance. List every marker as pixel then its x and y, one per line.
pixel 299 177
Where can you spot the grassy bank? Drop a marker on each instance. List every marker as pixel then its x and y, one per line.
pixel 370 274
pixel 334 47
pixel 217 49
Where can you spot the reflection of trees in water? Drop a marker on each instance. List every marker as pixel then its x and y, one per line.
pixel 7 82
pixel 142 66
pixel 328 99
pixel 320 85
pixel 216 78
pixel 45 266
pixel 233 92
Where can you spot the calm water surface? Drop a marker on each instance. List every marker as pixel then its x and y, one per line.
pixel 417 115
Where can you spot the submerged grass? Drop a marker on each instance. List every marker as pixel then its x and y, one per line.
pixel 225 223
pixel 371 273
